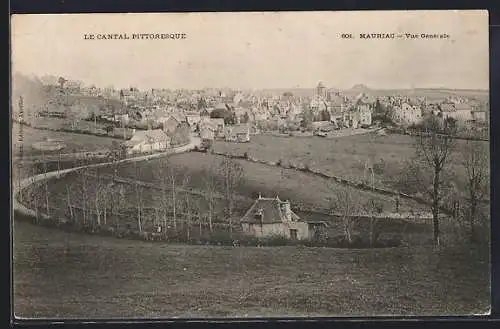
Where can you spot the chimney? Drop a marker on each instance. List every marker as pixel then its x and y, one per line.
pixel 287 211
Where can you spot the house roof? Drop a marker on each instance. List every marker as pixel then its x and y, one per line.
pixel 217 121
pixel 220 106
pixel 463 107
pixel 270 210
pixel 178 116
pixel 206 133
pixel 447 107
pixel 159 113
pixel 171 123
pixel 336 113
pixel 240 129
pixel 149 136
pixel 210 123
pixel 245 103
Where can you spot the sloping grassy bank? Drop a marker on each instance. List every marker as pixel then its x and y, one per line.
pixel 59 274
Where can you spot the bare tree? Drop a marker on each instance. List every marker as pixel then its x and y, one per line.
pixel 172 175
pixel 99 186
pixel 433 147
pixel 108 199
pixel 346 204
pixel 210 184
pixel 46 184
pixel 476 164
pixel 121 202
pixel 68 200
pixel 373 207
pixel 161 175
pixel 200 217
pixel 234 176
pixel 138 195
pixel 83 175
pixel 187 203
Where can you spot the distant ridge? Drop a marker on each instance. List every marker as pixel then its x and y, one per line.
pixel 456 90
pixel 359 87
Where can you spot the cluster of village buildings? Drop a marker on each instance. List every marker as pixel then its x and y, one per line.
pixel 171 117
pixel 163 112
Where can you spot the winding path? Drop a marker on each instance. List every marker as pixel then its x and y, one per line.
pixel 17 188
pixel 63 156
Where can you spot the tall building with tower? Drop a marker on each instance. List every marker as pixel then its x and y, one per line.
pixel 321 90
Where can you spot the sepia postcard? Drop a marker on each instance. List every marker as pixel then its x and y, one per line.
pixel 250 164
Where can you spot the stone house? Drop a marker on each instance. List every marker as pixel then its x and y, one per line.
pixel 218 124
pixel 193 119
pixel 461 112
pixel 479 115
pixel 238 133
pixel 147 141
pixel 407 113
pixel 365 113
pixel 207 136
pixel 268 217
pixel 172 122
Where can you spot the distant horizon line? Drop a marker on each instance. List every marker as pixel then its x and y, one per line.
pixel 353 87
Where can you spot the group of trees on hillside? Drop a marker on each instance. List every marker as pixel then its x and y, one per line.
pixel 99 198
pixel 431 174
pixel 219 183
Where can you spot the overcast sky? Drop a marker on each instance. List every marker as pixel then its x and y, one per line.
pixel 257 50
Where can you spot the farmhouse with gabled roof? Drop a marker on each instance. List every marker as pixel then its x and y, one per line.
pixel 269 217
pixel 147 141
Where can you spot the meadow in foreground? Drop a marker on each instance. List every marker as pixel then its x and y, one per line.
pixel 59 274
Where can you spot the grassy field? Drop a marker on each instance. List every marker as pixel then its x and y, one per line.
pixel 59 274
pixel 74 142
pixel 406 231
pixel 298 187
pixel 344 156
pixel 58 124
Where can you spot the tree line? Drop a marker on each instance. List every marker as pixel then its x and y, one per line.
pixel 95 199
pixel 431 174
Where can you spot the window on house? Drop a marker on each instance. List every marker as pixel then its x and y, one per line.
pixel 293 234
pixel 259 214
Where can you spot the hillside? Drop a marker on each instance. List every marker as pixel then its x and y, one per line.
pixel 38 95
pixel 360 88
